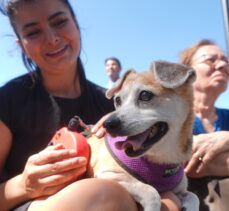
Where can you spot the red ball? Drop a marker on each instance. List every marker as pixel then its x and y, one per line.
pixel 72 140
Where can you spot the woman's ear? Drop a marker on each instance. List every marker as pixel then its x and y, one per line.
pixel 18 42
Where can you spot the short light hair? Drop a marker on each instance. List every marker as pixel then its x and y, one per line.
pixel 187 54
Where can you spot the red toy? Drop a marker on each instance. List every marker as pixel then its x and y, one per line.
pixel 71 139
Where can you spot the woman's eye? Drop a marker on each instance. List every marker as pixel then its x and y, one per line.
pixel 33 33
pixel 118 101
pixel 60 22
pixel 145 96
pixel 212 59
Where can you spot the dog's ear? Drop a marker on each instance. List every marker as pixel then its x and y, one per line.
pixel 118 84
pixel 172 75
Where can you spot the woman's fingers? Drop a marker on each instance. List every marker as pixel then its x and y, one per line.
pixel 206 147
pixel 98 129
pixel 61 166
pixel 52 168
pixel 63 177
pixel 192 164
pixel 51 154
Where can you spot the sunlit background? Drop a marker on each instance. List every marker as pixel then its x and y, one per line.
pixel 137 32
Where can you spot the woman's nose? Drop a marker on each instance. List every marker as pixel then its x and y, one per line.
pixel 51 38
pixel 221 64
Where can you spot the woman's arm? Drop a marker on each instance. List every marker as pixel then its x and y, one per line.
pixel 5 143
pixel 10 194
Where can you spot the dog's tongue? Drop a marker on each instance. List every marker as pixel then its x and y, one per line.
pixel 135 142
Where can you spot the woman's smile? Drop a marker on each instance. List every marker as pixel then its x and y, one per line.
pixel 57 52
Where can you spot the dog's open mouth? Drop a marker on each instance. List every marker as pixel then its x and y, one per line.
pixel 136 145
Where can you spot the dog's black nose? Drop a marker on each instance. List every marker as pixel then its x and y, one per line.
pixel 112 123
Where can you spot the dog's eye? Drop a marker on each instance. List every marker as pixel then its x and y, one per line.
pixel 118 101
pixel 146 96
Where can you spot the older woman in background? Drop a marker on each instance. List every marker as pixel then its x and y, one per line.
pixel 208 169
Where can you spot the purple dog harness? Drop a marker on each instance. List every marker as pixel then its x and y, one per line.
pixel 164 177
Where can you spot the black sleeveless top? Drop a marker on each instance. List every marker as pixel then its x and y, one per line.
pixel 33 116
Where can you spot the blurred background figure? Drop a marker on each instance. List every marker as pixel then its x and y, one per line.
pixel 113 68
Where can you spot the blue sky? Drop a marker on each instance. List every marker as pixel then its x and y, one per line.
pixel 137 32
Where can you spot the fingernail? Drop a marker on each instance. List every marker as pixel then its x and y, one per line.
pixel 99 133
pixel 59 146
pixel 93 129
pixel 82 160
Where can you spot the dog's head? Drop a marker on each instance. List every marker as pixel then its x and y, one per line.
pixel 154 110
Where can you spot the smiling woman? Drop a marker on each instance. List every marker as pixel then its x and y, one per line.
pixel 35 105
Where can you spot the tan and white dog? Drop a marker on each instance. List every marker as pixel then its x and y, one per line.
pixel 153 117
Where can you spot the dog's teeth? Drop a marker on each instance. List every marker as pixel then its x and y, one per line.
pixel 152 132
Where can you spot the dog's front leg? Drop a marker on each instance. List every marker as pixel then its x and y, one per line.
pixel 144 194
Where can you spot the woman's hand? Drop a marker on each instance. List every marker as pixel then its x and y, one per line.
pixel 51 170
pixel 170 202
pixel 98 129
pixel 208 150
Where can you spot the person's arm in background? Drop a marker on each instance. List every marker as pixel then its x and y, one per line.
pixel 213 149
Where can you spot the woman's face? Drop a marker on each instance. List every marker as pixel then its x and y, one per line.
pixel 212 69
pixel 48 34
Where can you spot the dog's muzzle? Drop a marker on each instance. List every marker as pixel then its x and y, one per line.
pixel 136 145
pixel 113 125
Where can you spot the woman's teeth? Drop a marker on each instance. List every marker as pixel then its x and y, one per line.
pixel 56 51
